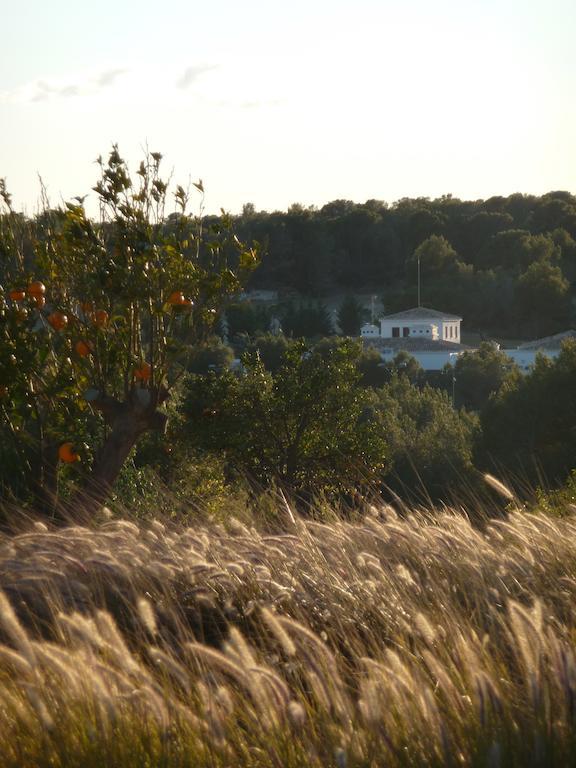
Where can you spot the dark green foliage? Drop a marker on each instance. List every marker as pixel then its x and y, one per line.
pixel 271 349
pixel 430 443
pixel 567 248
pixel 479 374
pixel 351 315
pixel 347 246
pixel 542 299
pixel 479 229
pixel 316 426
pixel 376 373
pixel 531 422
pixel 556 209
pixel 212 355
pixel 304 428
pixel 516 249
pixel 246 317
pixel 406 365
pixel 373 372
pixel 306 321
pixel 436 256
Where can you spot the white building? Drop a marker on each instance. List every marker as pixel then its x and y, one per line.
pixel 370 331
pixel 525 355
pixel 419 322
pixel 432 337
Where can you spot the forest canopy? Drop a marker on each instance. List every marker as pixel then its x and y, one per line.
pixel 510 261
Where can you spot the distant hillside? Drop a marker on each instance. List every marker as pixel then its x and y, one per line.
pixel 477 257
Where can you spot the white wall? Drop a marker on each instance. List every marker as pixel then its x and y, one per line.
pixel 437 330
pixel 525 358
pixel 387 325
pixel 435 361
pixel 414 327
pixel 430 361
pixel 448 327
pixel 369 330
pixel 424 331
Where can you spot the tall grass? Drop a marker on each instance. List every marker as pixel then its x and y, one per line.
pixel 385 642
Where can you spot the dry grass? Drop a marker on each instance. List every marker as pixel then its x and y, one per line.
pixel 388 642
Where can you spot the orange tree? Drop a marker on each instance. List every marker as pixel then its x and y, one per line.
pixel 96 318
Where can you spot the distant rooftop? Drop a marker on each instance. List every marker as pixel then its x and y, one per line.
pixel 549 342
pixel 421 313
pixel 414 344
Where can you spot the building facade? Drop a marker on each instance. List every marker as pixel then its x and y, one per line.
pixel 432 337
pixel 419 322
pixel 525 355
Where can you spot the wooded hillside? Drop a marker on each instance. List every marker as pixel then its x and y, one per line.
pixel 511 261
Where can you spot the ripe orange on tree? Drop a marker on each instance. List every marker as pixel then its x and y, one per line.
pixel 67 454
pixel 58 320
pixel 17 294
pixel 36 289
pixel 39 301
pixel 144 372
pixel 101 318
pixel 83 348
pixel 87 308
pixel 176 298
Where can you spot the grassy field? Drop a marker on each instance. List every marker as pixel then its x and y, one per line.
pixel 384 642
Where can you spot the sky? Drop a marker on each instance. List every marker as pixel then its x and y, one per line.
pixel 276 103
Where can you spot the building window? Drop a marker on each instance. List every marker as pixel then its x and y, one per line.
pixel 450 331
pixel 395 333
pixel 405 332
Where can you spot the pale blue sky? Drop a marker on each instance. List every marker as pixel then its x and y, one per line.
pixel 275 103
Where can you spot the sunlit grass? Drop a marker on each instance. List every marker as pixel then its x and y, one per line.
pixel 385 642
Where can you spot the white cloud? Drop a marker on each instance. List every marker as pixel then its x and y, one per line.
pixel 92 83
pixel 256 104
pixel 43 90
pixel 109 76
pixel 191 74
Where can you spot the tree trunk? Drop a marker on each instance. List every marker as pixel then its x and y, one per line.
pixel 45 484
pixel 128 422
